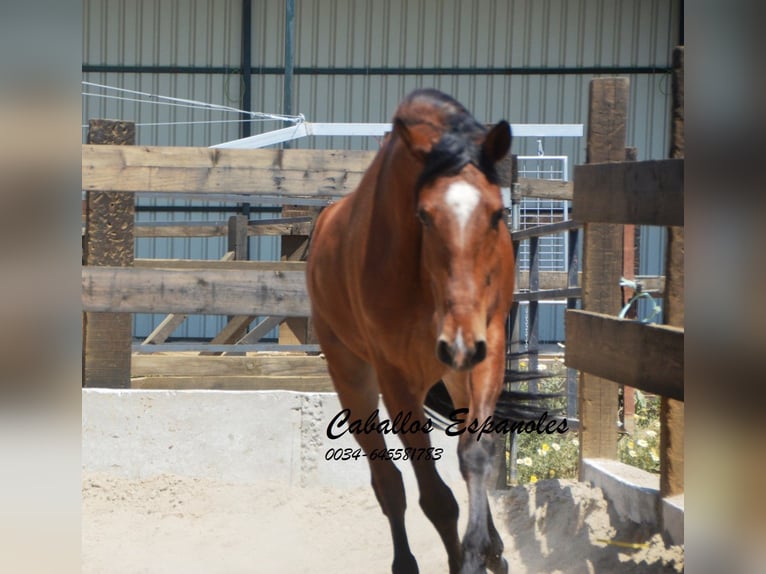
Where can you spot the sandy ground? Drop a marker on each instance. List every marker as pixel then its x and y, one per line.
pixel 175 524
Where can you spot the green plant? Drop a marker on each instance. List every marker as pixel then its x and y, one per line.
pixel 641 448
pixel 543 456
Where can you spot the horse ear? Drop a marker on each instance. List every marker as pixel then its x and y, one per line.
pixel 419 138
pixel 498 142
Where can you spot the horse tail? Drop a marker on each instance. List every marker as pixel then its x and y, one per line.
pixel 513 405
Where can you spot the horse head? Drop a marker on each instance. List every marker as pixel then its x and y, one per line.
pixel 460 212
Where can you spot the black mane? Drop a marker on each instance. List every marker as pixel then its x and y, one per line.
pixel 459 145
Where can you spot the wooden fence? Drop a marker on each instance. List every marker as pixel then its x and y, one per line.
pixel 609 193
pixel 115 284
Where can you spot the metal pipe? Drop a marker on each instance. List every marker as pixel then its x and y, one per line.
pixel 381 71
pixel 287 108
pixel 247 67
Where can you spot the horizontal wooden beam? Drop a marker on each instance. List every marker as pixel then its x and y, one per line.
pixel 313 384
pixel 195 291
pixel 220 229
pixel 548 294
pixel 632 192
pixel 546 189
pixel 547 229
pixel 242 265
pixel 261 365
pixel 302 173
pixel 209 349
pixel 647 357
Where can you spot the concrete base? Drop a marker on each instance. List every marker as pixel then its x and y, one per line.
pixel 635 495
pixel 673 517
pixel 235 436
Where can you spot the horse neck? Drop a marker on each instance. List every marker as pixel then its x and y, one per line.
pixel 394 233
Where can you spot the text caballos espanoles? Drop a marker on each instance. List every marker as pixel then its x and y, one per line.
pixel 404 423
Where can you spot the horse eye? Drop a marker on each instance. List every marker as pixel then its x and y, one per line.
pixel 424 217
pixel 497 216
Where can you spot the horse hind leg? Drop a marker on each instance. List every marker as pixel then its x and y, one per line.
pixel 436 499
pixel 356 385
pixel 386 479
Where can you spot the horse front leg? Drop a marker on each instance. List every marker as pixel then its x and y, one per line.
pixel 482 545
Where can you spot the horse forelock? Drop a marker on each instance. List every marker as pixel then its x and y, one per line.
pixel 460 140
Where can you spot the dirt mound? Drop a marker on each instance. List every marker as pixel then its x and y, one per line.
pixel 567 526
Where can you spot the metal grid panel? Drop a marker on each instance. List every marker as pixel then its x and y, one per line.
pixel 552 249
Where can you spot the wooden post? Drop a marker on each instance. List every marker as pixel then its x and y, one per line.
pixel 602 266
pixel 671 411
pixel 109 223
pixel 629 272
pixel 237 242
pixel 238 250
pixel 296 330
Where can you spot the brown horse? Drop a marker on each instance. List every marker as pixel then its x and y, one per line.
pixel 411 280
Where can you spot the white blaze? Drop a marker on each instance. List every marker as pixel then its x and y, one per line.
pixel 462 198
pixel 459 342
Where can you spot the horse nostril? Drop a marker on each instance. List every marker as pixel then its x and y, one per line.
pixel 480 353
pixel 444 353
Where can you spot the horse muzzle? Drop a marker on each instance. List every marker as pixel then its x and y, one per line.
pixel 458 354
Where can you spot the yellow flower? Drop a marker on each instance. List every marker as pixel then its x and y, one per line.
pixel 630 444
pixel 533 478
pixel 551 473
pixel 546 448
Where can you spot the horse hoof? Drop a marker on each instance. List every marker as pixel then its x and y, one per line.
pixel 500 566
pixel 406 565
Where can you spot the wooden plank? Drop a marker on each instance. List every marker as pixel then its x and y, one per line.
pixel 638 192
pixel 219 265
pixel 181 229
pixel 108 240
pixel 197 346
pixel 258 171
pixel 558 280
pixel 260 330
pixel 678 140
pixel 645 356
pixel 234 329
pixel 254 229
pixel 172 321
pixel 261 365
pixel 547 294
pixel 672 411
pixel 546 189
pixel 296 330
pixel 195 291
pixel 602 265
pixel 547 229
pixel 322 384
pixel 165 328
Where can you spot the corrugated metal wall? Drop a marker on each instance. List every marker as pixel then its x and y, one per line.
pixel 527 61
